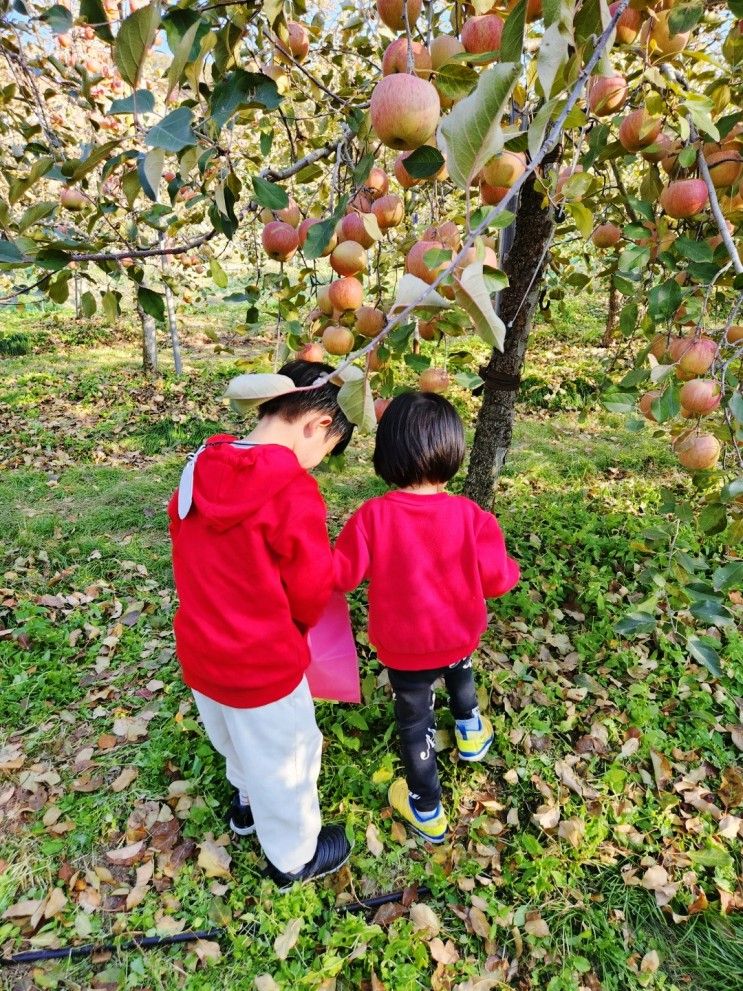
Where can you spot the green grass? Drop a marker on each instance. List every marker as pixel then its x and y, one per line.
pixel 87 463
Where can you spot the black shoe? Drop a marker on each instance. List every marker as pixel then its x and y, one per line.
pixel 240 817
pixel 331 853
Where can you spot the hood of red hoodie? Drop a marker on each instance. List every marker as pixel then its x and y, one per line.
pixel 232 483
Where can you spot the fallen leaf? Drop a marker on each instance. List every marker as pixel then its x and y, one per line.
pixel 373 842
pixel 650 963
pixel 107 741
pixel 630 747
pixel 284 943
pixel 376 984
pixel 207 950
pixel 387 913
pixel 124 779
pixel 264 982
pixel 662 770
pixel 398 832
pixel 167 925
pixel 729 826
pixel 700 904
pixel 654 877
pixel 424 919
pixel 479 922
pixel 573 831
pixel 570 779
pixel 213 859
pixel 23 909
pixel 441 952
pixel 731 789
pixel 126 855
pixel 55 903
pixel 536 927
pixel 164 835
pixel 547 817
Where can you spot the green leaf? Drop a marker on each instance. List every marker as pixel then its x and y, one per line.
pixel 150 170
pixel 88 304
pixel 538 126
pixel 704 654
pixel 472 295
pixel 131 186
pixel 99 154
pixel 687 157
pixel 436 256
pixel 319 237
pixel 9 253
pixel 736 406
pixel 712 857
pixel 241 90
pixel 696 251
pixel 471 132
pixel 582 217
pixel 713 518
pixel 20 186
pixel 732 490
pixel 455 80
pixel 728 576
pixel 136 35
pixel 635 623
pixel 218 274
pixel 153 303
pixel 362 170
pixel 34 214
pixel 268 194
pixel 628 318
pixel 58 18
pixel 468 380
pixel 141 101
pixel 664 300
pixel 58 288
pixel 92 12
pixel 554 49
pixel 667 406
pixel 512 39
pixel 110 303
pixel 684 17
pixel 181 56
pixel 173 133
pixel 424 162
pixel 356 400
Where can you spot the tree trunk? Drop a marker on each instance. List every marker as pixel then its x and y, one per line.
pixel 611 315
pixel 172 321
pixel 525 267
pixel 149 342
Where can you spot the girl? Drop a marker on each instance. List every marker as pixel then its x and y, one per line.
pixel 431 560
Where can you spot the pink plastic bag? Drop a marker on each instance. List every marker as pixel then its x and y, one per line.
pixel 333 673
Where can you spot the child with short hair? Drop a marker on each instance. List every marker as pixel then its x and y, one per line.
pixel 253 571
pixel 431 560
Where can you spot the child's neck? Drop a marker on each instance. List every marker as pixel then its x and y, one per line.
pixel 425 488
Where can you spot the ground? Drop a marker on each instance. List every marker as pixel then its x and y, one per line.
pixel 586 848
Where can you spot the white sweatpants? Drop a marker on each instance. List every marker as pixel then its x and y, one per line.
pixel 273 756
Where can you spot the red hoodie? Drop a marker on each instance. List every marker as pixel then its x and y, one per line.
pixel 253 570
pixel 431 561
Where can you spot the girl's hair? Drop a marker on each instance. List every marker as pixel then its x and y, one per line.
pixel 420 438
pixel 293 405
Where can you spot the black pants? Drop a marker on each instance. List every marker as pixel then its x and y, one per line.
pixel 416 722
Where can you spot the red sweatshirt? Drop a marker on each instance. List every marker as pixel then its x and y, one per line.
pixel 431 561
pixel 253 570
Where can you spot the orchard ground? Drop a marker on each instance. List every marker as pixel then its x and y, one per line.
pixel 611 786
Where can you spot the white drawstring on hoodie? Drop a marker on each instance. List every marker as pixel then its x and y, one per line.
pixel 185 486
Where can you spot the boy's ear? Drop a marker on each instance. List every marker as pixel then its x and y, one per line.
pixel 320 422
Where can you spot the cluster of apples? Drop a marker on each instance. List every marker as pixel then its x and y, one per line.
pixel 693 356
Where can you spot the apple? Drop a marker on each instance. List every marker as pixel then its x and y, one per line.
pixel 427 330
pixel 504 169
pixel 352 229
pixel 380 407
pixel 646 403
pixel 447 233
pixel 628 25
pixel 391 13
pixel 323 301
pixel 661 41
pixel 684 198
pixel 404 111
pixel 444 47
pixel 348 258
pixel 491 195
pixel 346 294
pixel 434 380
pixel 71 198
pixel 280 240
pixel 700 396
pixel 374 362
pixel 395 58
pixel 377 183
pixel 389 211
pixel 693 355
pixel 311 352
pixel 698 451
pixel 606 235
pixel 482 34
pixel 607 94
pixel 415 264
pixel 734 334
pixel 337 340
pixel 638 130
pixel 304 229
pixel 405 179
pixel 369 321
pixel 725 167
pixel 290 214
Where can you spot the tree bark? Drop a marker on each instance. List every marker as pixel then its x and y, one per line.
pixel 611 315
pixel 149 342
pixel 525 265
pixel 172 321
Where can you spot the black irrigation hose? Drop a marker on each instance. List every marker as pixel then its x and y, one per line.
pixel 151 942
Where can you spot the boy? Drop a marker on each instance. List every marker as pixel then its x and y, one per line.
pixel 253 571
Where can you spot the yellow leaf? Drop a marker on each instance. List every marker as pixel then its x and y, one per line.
pixel 536 927
pixel 479 923
pixel 288 939
pixel 441 952
pixel 55 903
pixel 373 842
pixel 650 963
pixel 213 859
pixel 424 919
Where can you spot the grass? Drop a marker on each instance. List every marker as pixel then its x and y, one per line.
pixel 87 462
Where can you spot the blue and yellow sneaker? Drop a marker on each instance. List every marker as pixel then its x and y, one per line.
pixel 432 829
pixel 473 744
